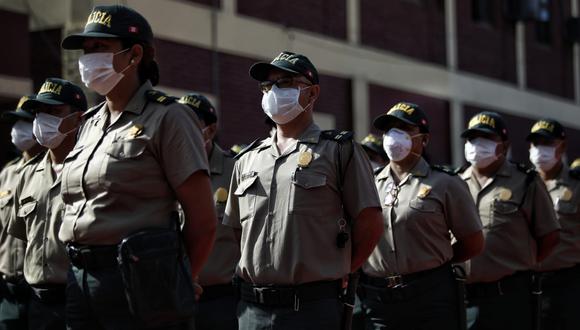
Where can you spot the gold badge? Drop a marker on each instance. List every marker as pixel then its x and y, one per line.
pixel 424 191
pixel 566 195
pixel 135 131
pixel 505 194
pixel 304 159
pixel 221 195
pixel 4 193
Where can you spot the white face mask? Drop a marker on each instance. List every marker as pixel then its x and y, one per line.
pixel 97 72
pixel 480 152
pixel 22 136
pixel 46 130
pixel 543 157
pixel 397 144
pixel 281 104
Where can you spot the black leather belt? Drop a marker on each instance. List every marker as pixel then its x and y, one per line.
pixel 395 281
pixel 561 276
pixel 519 282
pixel 212 292
pixel 290 296
pixel 92 257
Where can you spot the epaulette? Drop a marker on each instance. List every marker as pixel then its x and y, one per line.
pixel 36 158
pixel 336 135
pixel 92 111
pixel 461 169
pixel 445 169
pixel 248 148
pixel 378 170
pixel 575 173
pixel 159 97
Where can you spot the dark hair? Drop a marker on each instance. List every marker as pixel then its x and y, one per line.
pixel 148 68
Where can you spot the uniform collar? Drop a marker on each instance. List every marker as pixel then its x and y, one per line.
pixel 310 135
pixel 137 103
pixel 504 170
pixel 45 166
pixel 421 169
pixel 562 179
pixel 216 160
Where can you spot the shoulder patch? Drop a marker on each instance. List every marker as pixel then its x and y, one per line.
pixel 446 169
pixel 159 97
pixel 247 148
pixel 336 135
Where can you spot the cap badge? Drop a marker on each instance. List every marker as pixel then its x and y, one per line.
pixel 424 191
pixel 190 100
pixel 505 194
pixel 566 195
pixel 304 159
pixel 220 195
pixel 543 125
pixel 100 17
pixel 21 102
pixel 482 119
pixel 50 87
pixel 402 107
pixel 135 131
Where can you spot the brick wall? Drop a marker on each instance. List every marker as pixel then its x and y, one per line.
pixel 327 17
pixel 414 28
pixel 486 48
pixel 381 99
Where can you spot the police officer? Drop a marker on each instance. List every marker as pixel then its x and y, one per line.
pixel 294 197
pixel 14 289
pixel 408 282
pixel 519 224
pixel 38 205
pixel 373 146
pixel 138 153
pixel 217 305
pixel 561 270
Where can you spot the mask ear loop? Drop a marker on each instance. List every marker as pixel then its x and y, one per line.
pixel 72 130
pixel 130 62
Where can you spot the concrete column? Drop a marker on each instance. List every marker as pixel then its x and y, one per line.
pixel 457 125
pixel 360 107
pixel 451 34
pixel 521 54
pixel 575 11
pixel 353 21
pixel 230 7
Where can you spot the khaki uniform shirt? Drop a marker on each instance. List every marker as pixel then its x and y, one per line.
pixel 510 229
pixel 121 177
pixel 222 261
pixel 290 215
pixel 565 193
pixel 11 248
pixel 38 210
pixel 419 213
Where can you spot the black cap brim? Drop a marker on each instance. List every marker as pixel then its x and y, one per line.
pixel 259 71
pixel 384 121
pixel 468 132
pixel 14 116
pixel 31 105
pixel 540 134
pixel 75 41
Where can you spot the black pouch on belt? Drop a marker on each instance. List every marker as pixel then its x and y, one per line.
pixel 157 277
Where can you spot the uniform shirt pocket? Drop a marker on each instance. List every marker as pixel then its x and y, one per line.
pixel 246 199
pixel 567 208
pixel 127 149
pixel 503 212
pixel 6 199
pixel 308 194
pixel 27 206
pixel 425 205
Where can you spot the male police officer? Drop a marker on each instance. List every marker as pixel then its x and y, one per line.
pixel 295 196
pixel 561 270
pixel 519 224
pixel 217 305
pixel 38 205
pixel 14 290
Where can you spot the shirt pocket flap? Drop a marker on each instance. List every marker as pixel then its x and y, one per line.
pixel 246 183
pixel 26 208
pixel 505 207
pixel 309 180
pixel 566 207
pixel 423 205
pixel 127 148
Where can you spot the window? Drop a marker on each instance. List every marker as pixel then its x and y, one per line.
pixel 482 11
pixel 543 24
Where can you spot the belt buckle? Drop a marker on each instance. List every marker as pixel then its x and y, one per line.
pixel 394 281
pixel 262 294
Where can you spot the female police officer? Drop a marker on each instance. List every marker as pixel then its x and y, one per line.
pixel 138 153
pixel 408 282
